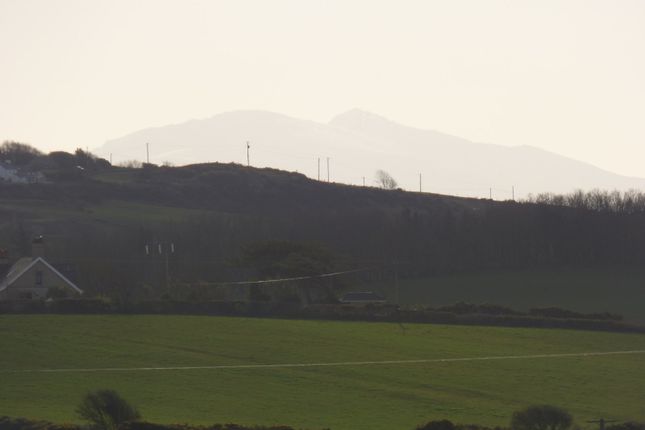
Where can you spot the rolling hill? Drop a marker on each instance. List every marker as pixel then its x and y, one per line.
pixel 447 248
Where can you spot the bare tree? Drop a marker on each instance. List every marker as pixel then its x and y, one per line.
pixel 106 410
pixel 385 180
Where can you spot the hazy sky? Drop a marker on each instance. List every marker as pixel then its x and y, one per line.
pixel 566 76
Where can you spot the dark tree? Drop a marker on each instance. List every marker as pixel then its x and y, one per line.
pixel 437 425
pixel 276 258
pixel 541 417
pixel 18 153
pixel 106 410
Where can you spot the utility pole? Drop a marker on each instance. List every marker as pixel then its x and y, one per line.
pixel 164 250
pixel 248 157
pixel 147 153
pixel 396 284
pixel 363 180
pixel 420 182
pixel 513 192
pixel 490 193
pixel 327 169
pixel 319 168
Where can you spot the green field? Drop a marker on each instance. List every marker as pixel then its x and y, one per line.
pixel 344 397
pixel 619 290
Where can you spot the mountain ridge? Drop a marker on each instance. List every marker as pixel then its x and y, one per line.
pixel 357 143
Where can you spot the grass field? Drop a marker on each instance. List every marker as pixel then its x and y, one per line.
pixel 376 396
pixel 619 290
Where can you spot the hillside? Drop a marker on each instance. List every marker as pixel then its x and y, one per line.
pixel 358 143
pixel 99 221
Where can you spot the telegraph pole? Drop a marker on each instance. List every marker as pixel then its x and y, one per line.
pixel 396 284
pixel 490 193
pixel 248 157
pixel 363 180
pixel 147 153
pixel 513 192
pixel 319 168
pixel 420 182
pixel 165 250
pixel 327 169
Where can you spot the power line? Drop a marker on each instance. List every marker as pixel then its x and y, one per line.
pixel 297 278
pixel 324 364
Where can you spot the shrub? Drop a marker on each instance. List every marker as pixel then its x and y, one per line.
pixel 56 293
pixel 437 425
pixel 9 423
pixel 541 417
pixel 627 426
pixel 106 409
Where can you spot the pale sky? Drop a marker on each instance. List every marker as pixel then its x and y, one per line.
pixel 563 75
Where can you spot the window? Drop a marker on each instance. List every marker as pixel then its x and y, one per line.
pixel 39 277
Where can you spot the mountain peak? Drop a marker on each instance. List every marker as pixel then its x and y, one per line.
pixel 357 119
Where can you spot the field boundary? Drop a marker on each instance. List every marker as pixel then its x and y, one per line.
pixel 328 364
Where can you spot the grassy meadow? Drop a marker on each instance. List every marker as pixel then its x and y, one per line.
pixel 377 396
pixel 619 290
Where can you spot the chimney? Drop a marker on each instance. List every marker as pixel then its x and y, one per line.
pixel 38 247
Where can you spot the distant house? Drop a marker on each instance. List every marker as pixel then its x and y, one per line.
pixel 362 297
pixel 34 278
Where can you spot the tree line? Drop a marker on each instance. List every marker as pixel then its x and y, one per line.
pixel 627 202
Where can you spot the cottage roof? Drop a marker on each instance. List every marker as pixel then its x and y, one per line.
pixel 23 265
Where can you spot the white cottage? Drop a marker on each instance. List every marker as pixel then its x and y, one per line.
pixel 34 278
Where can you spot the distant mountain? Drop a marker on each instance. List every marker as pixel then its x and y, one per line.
pixel 358 143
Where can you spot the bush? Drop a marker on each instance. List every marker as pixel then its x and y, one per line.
pixel 565 313
pixel 56 293
pixel 9 423
pixel 106 410
pixel 627 426
pixel 437 425
pixel 541 417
